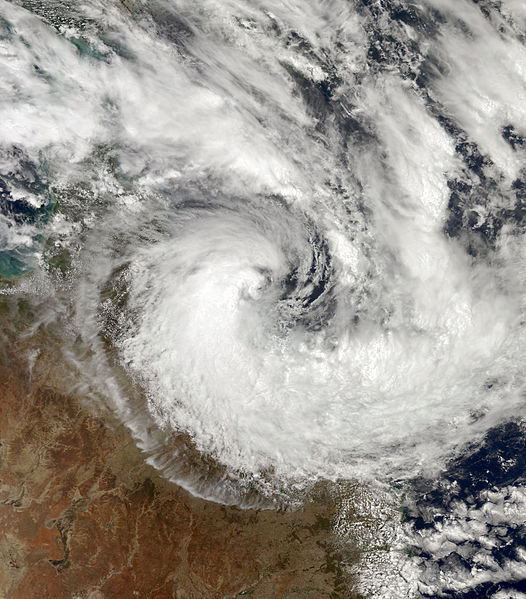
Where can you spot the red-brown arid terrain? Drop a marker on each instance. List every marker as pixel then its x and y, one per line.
pixel 83 516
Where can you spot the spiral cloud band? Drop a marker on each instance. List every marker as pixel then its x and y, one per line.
pixel 278 239
pixel 256 335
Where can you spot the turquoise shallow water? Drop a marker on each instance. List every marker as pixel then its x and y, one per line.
pixel 290 232
pixel 20 260
pixel 12 267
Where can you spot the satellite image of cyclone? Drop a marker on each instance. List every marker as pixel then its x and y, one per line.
pixel 262 299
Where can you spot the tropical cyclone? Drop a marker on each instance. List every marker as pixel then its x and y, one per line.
pixel 283 242
pixel 262 221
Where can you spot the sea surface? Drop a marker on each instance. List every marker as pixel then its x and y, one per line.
pixel 283 241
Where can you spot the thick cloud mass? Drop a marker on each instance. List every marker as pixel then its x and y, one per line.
pixel 284 236
pixel 310 216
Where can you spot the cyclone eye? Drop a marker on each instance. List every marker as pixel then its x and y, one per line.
pixel 308 297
